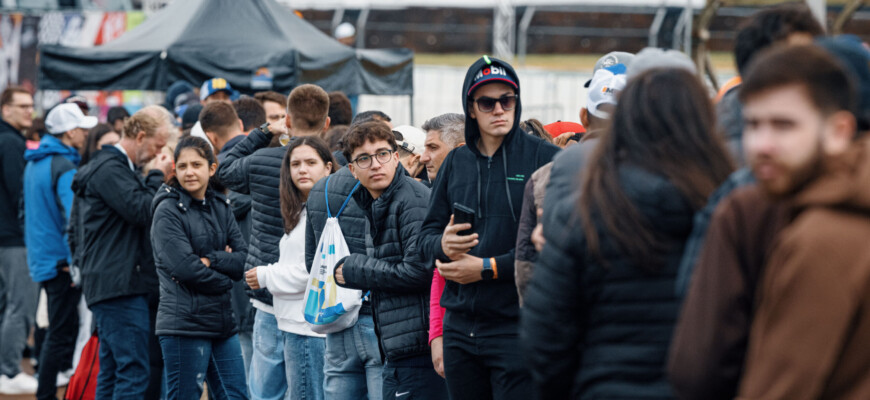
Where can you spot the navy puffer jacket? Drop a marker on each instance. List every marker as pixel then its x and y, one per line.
pixel 394 272
pixel 251 168
pixel 601 330
pixel 195 299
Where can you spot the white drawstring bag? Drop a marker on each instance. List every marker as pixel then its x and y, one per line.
pixel 328 307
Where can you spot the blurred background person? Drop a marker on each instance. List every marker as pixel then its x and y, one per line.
pixel 603 285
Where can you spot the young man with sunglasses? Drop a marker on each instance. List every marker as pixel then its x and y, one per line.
pixel 486 177
pixel 394 204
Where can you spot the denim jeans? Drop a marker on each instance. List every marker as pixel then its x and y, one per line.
pixel 122 325
pixel 413 378
pixel 303 360
pixel 21 294
pixel 353 363
pixel 60 340
pixel 267 378
pixel 188 361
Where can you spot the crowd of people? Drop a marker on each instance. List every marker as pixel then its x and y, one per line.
pixel 676 243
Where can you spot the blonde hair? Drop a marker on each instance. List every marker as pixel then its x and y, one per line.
pixel 149 120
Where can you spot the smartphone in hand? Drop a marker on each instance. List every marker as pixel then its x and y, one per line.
pixel 463 215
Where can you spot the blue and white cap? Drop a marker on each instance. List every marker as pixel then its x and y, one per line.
pixel 215 85
pixel 604 88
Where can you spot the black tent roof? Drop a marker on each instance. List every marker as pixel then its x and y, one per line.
pixel 195 40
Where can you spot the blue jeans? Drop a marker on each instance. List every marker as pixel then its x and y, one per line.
pixel 303 361
pixel 353 363
pixel 122 325
pixel 413 378
pixel 267 378
pixel 190 360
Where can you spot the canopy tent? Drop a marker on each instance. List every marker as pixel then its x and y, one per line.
pixel 254 44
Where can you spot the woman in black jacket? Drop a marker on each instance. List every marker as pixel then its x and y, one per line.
pixel 199 251
pixel 601 307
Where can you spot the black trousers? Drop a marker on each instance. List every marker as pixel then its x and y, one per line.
pixel 60 339
pixel 413 378
pixel 485 367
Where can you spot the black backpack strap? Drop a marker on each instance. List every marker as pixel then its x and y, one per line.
pixel 59 166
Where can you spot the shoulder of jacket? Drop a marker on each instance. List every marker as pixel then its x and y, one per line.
pixel 270 152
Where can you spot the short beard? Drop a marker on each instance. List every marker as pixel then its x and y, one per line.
pixel 801 177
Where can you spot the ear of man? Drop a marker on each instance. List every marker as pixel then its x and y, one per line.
pixel 840 132
pixel 584 117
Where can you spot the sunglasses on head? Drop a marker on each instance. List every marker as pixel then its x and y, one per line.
pixel 487 104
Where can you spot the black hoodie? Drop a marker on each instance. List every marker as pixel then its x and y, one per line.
pixel 493 187
pixel 12 147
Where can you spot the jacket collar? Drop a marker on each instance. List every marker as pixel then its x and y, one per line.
pixel 365 198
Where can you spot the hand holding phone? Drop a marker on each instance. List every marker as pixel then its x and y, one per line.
pixel 458 237
pixel 463 215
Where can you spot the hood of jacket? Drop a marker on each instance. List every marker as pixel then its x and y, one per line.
pixel 51 146
pixel 842 183
pixel 472 131
pixel 183 199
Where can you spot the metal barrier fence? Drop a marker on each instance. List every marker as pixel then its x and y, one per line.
pixel 546 95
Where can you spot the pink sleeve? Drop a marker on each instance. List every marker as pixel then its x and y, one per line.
pixel 436 312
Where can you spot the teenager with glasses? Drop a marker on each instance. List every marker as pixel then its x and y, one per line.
pixel 19 291
pixel 486 176
pixel 395 205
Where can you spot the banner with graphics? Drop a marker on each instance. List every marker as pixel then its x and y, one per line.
pixel 21 34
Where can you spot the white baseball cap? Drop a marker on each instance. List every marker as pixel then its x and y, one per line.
pixel 604 88
pixel 66 117
pixel 414 138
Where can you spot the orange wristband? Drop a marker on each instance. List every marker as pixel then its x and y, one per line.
pixel 494 268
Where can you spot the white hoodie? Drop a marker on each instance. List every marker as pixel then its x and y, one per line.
pixel 286 280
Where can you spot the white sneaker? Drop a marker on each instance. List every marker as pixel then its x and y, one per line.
pixel 63 377
pixel 20 384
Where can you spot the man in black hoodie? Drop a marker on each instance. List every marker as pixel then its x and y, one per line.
pixel 19 292
pixel 487 175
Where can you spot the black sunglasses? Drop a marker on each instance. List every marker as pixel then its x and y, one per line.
pixel 487 104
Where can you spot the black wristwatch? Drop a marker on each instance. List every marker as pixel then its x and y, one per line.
pixel 487 274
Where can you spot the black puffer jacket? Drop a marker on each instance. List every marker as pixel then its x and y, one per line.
pixel 596 331
pixel 395 273
pixel 195 299
pixel 114 209
pixel 251 168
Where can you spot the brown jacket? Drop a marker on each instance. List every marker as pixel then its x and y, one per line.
pixel 810 335
pixel 709 343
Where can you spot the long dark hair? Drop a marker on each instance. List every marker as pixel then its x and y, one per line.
pixel 202 148
pixel 292 199
pixel 94 135
pixel 664 123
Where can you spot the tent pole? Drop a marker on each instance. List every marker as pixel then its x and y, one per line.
pixel 411 108
pixel 361 28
